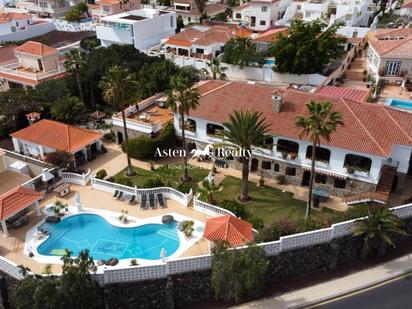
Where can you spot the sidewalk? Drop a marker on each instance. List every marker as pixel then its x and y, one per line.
pixel 337 287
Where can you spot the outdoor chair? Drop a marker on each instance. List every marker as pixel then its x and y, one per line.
pixel 116 192
pixel 120 196
pixel 132 200
pixel 143 201
pixel 152 201
pixel 161 200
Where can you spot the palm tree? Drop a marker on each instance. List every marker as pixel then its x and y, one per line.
pixel 215 69
pixel 122 4
pixel 208 189
pixel 167 175
pixel 245 129
pixel 120 88
pixel 182 97
pixel 379 224
pixel 201 5
pixel 75 61
pixel 318 125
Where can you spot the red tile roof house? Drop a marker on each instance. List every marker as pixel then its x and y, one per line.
pixel 47 136
pixel 203 41
pixel 373 136
pixel 35 63
pixel 189 12
pixel 389 55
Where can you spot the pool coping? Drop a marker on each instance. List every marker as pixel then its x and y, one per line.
pixel 32 242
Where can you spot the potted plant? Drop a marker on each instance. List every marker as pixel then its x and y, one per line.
pixel 261 180
pixel 152 167
pixel 133 262
pixel 350 169
pixel 59 208
pixel 123 216
pixel 284 155
pixel 281 179
pixel 293 155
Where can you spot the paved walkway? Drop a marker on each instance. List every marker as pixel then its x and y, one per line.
pixel 334 288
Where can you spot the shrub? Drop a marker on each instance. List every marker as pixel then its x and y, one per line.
pixel 126 181
pixel 108 136
pixel 61 159
pixel 281 179
pixel 256 222
pixel 184 187
pixel 235 207
pixel 277 229
pixel 153 183
pixel 101 174
pixel 144 147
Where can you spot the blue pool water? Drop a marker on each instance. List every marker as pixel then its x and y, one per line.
pixel 270 61
pixel 93 232
pixel 399 103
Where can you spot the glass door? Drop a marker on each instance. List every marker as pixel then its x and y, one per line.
pixel 392 68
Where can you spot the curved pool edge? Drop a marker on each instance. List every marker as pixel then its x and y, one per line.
pixel 31 243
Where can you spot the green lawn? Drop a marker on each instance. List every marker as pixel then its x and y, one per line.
pixel 197 174
pixel 269 203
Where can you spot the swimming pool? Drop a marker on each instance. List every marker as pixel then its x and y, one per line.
pixel 105 241
pixel 399 103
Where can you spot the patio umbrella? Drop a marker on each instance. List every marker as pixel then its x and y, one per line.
pixel 234 231
pixel 98 115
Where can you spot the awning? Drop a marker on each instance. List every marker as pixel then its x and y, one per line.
pixel 326 173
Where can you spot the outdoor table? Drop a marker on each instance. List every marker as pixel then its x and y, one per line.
pixel 62 190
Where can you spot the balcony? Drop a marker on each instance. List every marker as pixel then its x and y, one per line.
pixel 16 70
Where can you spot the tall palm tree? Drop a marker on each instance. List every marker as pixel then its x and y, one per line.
pixel 245 129
pixel 208 189
pixel 75 61
pixel 215 68
pixel 119 89
pixel 201 5
pixel 182 97
pixel 379 224
pixel 317 126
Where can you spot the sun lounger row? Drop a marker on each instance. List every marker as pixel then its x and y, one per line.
pixel 146 201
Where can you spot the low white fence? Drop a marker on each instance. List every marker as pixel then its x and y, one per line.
pixel 209 209
pixel 78 179
pixel 111 187
pixel 63 25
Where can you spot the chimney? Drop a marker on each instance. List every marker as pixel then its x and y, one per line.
pixel 33 117
pixel 277 101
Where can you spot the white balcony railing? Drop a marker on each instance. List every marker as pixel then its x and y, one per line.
pixel 12 69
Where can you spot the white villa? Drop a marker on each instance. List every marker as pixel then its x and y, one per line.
pixel 389 55
pixel 143 28
pixel 260 15
pixel 47 8
pixel 46 136
pixel 362 156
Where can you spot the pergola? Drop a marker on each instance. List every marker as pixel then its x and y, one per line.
pixel 16 200
pixel 234 231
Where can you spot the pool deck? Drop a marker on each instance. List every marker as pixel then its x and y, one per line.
pixel 12 247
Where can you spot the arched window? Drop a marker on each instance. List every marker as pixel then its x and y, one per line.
pixel 190 125
pixel 322 154
pixel 266 165
pixel 357 162
pixel 287 147
pixel 276 167
pixel 214 130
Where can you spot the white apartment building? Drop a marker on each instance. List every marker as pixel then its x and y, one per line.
pixel 260 15
pixel 143 28
pixel 48 8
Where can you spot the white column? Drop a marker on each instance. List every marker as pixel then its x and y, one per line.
pixel 41 150
pixel 85 153
pixel 36 206
pixel 16 145
pixel 99 145
pixel 4 227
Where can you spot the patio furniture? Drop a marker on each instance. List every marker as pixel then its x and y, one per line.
pixel 152 201
pixel 143 201
pixel 116 192
pixel 62 190
pixel 161 200
pixel 321 194
pixel 132 200
pixel 120 196
pixel 20 222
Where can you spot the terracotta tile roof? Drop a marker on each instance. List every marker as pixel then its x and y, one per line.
pixel 393 42
pixel 357 95
pixel 203 35
pixel 16 200
pixel 407 4
pixel 57 135
pixel 229 228
pixel 36 48
pixel 7 54
pixel 271 35
pixel 369 128
pixel 108 2
pixel 6 17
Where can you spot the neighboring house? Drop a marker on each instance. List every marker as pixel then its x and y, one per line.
pixel 265 39
pixel 406 8
pixel 203 41
pixel 189 12
pixel 143 28
pixel 349 12
pixel 260 15
pixel 374 143
pixel 13 22
pixel 389 55
pixel 103 8
pixel 148 117
pixel 46 136
pixel 49 8
pixel 35 63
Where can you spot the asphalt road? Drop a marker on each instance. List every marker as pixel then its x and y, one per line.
pixel 393 294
